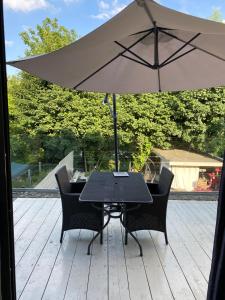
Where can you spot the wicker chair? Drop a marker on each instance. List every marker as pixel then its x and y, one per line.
pixel 151 216
pixel 76 215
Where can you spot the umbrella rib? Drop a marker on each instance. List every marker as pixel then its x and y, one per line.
pixel 111 60
pixel 195 46
pixel 176 58
pixel 147 30
pixel 143 31
pixel 137 61
pixel 181 48
pixel 133 53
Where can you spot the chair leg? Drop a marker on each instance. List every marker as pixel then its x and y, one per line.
pixel 166 238
pixel 126 235
pixel 61 237
pixel 101 237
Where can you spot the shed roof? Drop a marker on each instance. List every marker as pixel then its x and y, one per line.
pixel 178 157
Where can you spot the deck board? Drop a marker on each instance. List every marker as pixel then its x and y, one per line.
pixel 176 278
pixel 97 287
pixel 23 223
pixel 32 254
pixel 24 240
pixel 79 275
pixel 195 228
pixel 194 248
pixel 137 279
pixel 50 271
pixel 156 276
pixel 117 270
pixel 61 272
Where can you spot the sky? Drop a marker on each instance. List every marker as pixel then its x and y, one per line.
pixel 81 15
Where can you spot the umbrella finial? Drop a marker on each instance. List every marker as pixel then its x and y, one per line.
pixel 140 2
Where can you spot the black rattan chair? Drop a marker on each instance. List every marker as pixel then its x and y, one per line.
pixel 76 215
pixel 151 216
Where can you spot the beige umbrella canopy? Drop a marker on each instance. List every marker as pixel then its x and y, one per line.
pixel 145 48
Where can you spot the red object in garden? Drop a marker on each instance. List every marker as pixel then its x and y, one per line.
pixel 214 179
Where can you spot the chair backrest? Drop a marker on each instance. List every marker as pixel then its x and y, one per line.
pixel 165 181
pixel 62 179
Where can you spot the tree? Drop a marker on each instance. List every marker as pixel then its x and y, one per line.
pixel 216 15
pixel 27 93
pixel 47 37
pixel 145 121
pixel 200 118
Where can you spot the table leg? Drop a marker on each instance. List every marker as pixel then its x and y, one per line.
pixel 97 234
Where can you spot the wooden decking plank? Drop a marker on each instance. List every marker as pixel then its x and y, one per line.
pixel 200 225
pixel 56 286
pixel 137 279
pixel 185 222
pixel 38 279
pixel 80 268
pixel 98 278
pixel 27 236
pixel 192 273
pixel 21 211
pixel 197 217
pixel 211 211
pixel 24 222
pixel 196 227
pixel 17 203
pixel 118 284
pixel 157 279
pixel 196 231
pixel 175 276
pixel 27 263
pixel 214 205
pixel 210 206
pixel 198 254
pixel 200 217
pixel 204 216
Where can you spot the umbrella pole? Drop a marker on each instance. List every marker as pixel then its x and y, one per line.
pixel 115 134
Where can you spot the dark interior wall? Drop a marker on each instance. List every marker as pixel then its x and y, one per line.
pixel 0 281
pixel 0 277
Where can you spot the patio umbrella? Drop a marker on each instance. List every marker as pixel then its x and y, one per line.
pixel 145 48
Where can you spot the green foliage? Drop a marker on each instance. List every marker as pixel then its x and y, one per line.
pixel 216 15
pixel 47 37
pixel 30 99
pixel 198 114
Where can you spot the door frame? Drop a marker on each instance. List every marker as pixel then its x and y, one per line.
pixel 7 262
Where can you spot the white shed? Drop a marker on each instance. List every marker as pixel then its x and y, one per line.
pixel 185 166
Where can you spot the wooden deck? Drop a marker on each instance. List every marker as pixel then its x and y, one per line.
pixel 47 270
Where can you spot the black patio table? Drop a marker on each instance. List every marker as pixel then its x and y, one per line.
pixel 113 192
